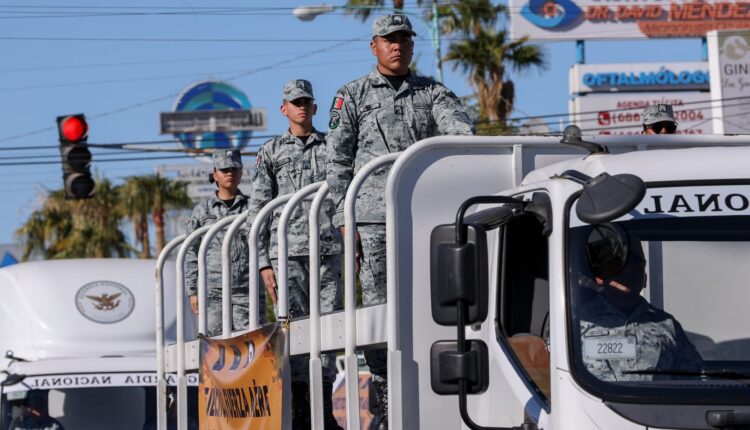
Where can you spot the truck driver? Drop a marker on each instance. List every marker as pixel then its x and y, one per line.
pixel 623 337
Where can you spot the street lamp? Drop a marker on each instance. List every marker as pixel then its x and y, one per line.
pixel 308 13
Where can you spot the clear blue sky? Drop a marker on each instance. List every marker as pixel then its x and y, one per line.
pixel 121 63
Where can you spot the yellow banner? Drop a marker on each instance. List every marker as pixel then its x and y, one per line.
pixel 240 381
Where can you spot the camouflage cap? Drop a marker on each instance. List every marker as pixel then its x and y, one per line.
pixel 297 89
pixel 227 159
pixel 657 113
pixel 387 24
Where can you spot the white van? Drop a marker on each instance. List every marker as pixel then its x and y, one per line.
pixel 81 332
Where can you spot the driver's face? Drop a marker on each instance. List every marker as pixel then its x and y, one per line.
pixel 630 281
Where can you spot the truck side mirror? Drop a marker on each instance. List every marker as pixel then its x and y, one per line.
pixel 459 272
pixel 458 261
pixel 608 197
pixel 459 290
pixel 448 367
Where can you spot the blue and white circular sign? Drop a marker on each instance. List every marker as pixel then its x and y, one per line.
pixel 208 96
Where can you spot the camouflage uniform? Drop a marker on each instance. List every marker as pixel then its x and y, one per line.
pixel 369 118
pixel 207 212
pixel 660 342
pixel 285 165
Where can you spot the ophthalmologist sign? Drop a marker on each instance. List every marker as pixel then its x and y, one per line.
pixel 613 19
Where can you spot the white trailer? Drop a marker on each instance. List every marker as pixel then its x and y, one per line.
pixel 81 331
pixel 514 301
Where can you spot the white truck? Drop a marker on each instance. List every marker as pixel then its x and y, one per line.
pixel 487 279
pixel 81 332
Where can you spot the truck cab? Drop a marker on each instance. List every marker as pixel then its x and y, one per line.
pixel 561 346
pixel 494 290
pixel 78 334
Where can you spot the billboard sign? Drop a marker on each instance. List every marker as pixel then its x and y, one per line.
pixel 597 78
pixel 612 19
pixel 616 113
pixel 729 60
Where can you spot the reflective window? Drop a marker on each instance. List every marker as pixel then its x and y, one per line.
pixel 659 306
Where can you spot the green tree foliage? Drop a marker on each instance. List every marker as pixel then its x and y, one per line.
pixel 152 195
pixel 136 204
pixel 484 51
pixel 76 228
pixel 362 9
pixel 90 228
pixel 167 195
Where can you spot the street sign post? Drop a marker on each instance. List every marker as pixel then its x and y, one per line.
pixel 213 121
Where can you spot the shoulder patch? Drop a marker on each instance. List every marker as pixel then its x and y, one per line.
pixel 335 120
pixel 338 102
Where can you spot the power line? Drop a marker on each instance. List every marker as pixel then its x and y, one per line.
pixel 156 78
pixel 174 94
pixel 97 161
pixel 152 62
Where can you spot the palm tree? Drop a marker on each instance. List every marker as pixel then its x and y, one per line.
pixel 167 194
pixel 362 9
pixel 153 195
pixel 136 203
pixel 76 228
pixel 484 52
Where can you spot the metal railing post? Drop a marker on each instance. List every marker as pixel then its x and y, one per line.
pixel 350 300
pixel 315 365
pixel 227 311
pixel 182 413
pixel 252 245
pixel 282 277
pixel 161 382
pixel 202 269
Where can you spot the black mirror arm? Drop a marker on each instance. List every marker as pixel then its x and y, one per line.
pixel 462 390
pixel 461 228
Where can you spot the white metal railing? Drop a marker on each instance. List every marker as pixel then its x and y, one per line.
pixel 202 275
pixel 227 312
pixel 182 412
pixel 282 277
pixel 208 233
pixel 315 364
pixel 350 283
pixel 252 241
pixel 161 381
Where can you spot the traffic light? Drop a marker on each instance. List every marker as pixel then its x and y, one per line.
pixel 76 157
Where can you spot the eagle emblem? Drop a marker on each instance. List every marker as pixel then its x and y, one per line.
pixel 105 302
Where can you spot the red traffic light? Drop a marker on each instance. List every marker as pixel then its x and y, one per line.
pixel 73 128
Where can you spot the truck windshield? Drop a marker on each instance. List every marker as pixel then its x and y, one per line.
pixel 658 302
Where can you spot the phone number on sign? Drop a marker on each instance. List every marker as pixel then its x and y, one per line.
pixel 612 118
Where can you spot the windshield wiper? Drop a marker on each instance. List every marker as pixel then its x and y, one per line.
pixel 714 373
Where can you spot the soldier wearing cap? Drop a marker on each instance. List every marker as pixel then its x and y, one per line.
pixel 228 200
pixel 658 119
pixel 623 337
pixel 383 112
pixel 284 165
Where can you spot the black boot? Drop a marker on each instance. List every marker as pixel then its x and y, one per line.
pixel 328 418
pixel 379 404
pixel 300 406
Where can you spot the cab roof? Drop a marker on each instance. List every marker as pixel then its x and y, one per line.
pixel 81 308
pixel 657 165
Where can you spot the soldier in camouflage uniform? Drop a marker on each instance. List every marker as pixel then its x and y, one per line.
pixel 658 119
pixel 383 112
pixel 285 165
pixel 228 200
pixel 621 332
